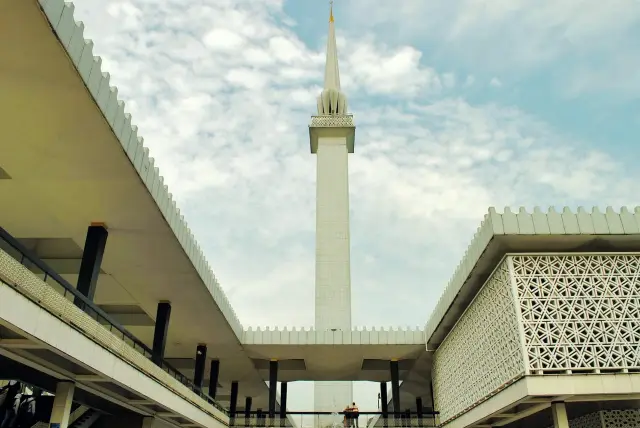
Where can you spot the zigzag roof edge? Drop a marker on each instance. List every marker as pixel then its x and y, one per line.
pixel 536 222
pixel 355 329
pixel 70 33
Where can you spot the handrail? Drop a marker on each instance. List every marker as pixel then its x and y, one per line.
pixel 95 312
pixel 425 413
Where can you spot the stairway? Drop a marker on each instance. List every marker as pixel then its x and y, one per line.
pixel 86 420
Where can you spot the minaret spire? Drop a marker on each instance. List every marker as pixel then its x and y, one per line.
pixel 331 71
pixel 332 101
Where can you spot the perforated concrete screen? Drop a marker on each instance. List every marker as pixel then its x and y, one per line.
pixel 538 316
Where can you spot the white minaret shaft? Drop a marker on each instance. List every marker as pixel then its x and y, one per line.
pixel 332 135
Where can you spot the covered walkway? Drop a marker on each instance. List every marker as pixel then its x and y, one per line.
pixel 51 337
pixel 83 195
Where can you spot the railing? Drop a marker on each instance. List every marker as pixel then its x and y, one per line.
pixel 337 420
pixel 260 421
pixel 407 421
pixel 28 259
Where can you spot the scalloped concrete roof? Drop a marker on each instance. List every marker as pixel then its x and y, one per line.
pixel 80 51
pixel 76 157
pixel 538 231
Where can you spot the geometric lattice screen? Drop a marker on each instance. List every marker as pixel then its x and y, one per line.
pixel 483 353
pixel 628 418
pixel 579 312
pixel 592 420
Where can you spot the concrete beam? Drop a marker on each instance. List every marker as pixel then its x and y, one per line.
pixel 90 378
pixel 523 414
pixel 20 344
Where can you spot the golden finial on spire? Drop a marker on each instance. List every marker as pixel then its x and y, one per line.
pixel 330 10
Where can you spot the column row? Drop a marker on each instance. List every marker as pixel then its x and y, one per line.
pixel 395 396
pixel 90 266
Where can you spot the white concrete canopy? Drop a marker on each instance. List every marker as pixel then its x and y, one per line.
pixel 71 157
pixel 362 355
pixel 511 232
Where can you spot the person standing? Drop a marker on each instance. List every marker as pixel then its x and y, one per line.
pixel 355 414
pixel 347 417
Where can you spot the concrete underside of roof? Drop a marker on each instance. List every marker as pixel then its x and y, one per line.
pixel 334 362
pixel 527 402
pixel 536 411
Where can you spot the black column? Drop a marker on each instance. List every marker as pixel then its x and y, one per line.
pixel 201 359
pixel 213 378
pixel 233 405
pixel 160 334
pixel 91 260
pixel 395 386
pixel 384 401
pixel 247 410
pixel 283 400
pixel 419 407
pixel 273 384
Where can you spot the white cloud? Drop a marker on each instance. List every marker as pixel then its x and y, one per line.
pixel 224 40
pixel 222 94
pixel 378 69
pixel 495 82
pixel 518 37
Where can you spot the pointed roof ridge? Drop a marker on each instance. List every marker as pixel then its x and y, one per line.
pixel 331 71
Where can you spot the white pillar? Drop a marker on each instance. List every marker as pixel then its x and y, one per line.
pixel 333 264
pixel 560 419
pixel 333 260
pixel 62 405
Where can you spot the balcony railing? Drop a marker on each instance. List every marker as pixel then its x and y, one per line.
pixel 261 419
pixel 28 259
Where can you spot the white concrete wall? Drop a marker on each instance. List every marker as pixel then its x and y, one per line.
pixel 483 353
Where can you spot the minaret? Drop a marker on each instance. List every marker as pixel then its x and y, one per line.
pixel 332 134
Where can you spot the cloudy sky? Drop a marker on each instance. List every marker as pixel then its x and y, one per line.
pixel 460 105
